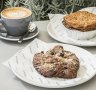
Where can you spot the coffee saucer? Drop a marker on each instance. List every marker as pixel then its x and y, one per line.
pixel 13 38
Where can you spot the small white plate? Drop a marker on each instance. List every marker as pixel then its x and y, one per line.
pixel 69 40
pixel 22 66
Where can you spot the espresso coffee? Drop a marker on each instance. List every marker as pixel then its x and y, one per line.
pixel 16 13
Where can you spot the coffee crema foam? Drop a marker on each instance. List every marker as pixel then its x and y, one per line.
pixel 16 12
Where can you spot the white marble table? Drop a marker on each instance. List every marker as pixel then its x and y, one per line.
pixel 8 81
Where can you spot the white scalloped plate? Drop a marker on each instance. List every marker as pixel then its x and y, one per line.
pixel 22 67
pixel 68 40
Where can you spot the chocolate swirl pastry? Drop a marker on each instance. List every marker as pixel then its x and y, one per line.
pixel 56 63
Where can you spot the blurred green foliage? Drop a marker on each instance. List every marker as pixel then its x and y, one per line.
pixel 41 8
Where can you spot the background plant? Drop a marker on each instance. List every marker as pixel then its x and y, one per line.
pixel 1 4
pixel 41 8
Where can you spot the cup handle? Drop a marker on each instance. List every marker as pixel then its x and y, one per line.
pixel 2 30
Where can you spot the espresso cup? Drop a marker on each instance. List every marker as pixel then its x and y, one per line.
pixel 16 20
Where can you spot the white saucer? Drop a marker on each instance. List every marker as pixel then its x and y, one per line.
pixel 68 40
